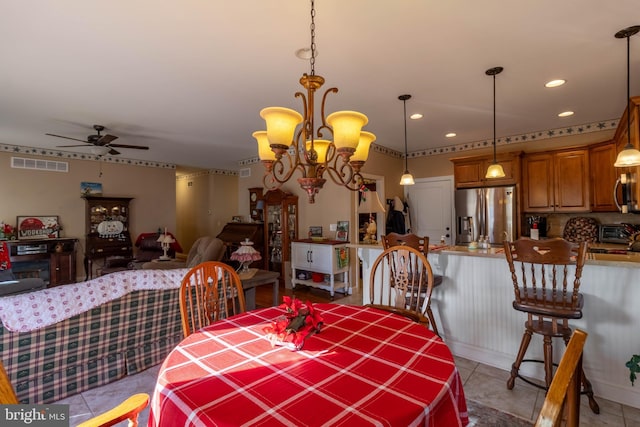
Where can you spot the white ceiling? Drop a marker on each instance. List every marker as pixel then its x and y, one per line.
pixel 188 78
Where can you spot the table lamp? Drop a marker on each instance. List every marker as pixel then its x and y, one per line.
pixel 246 254
pixel 165 241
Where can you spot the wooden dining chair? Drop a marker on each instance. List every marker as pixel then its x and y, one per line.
pixel 209 291
pixel 401 282
pixel 127 410
pixel 564 392
pixel 421 243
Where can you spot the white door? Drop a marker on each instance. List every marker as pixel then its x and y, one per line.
pixel 431 208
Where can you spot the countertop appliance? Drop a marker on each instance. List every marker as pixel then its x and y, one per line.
pixel 614 233
pixel 489 212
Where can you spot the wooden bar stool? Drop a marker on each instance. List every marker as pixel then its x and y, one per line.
pixel 546 287
pixel 422 244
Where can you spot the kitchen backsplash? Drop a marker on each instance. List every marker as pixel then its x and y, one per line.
pixel 556 222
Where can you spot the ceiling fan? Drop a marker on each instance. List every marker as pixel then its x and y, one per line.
pixel 103 142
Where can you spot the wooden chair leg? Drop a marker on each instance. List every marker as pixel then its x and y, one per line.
pixel 432 320
pixel 548 360
pixel 524 344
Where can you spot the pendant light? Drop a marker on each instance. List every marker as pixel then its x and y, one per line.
pixel 495 169
pixel 407 178
pixel 629 156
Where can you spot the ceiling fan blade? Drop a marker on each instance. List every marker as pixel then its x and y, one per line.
pixel 135 147
pixel 113 152
pixel 66 137
pixel 106 139
pixel 78 145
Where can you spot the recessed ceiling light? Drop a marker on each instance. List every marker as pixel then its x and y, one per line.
pixel 450 135
pixel 566 114
pixel 416 116
pixel 555 83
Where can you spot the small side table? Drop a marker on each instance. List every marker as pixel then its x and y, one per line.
pixel 262 277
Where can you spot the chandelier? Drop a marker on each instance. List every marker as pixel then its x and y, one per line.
pixel 284 148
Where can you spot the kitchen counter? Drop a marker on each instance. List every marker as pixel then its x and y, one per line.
pixel 630 259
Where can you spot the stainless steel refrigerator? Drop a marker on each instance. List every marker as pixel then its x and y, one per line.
pixel 489 212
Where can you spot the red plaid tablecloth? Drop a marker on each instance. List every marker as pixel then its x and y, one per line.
pixel 366 367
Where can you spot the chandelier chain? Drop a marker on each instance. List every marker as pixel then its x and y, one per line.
pixel 312 60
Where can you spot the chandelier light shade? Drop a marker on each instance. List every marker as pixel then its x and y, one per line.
pixel 495 169
pixel 407 178
pixel 338 147
pixel 629 156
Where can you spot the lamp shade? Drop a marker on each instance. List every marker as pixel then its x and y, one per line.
pixel 321 146
pixel 370 203
pixel 281 124
pixel 347 126
pixel 407 179
pixel 628 157
pixel 362 150
pixel 495 171
pixel 264 149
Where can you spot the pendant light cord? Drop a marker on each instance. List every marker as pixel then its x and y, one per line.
pixel 494 120
pixel 406 155
pixel 628 101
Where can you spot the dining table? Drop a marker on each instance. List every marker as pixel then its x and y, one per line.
pixel 366 366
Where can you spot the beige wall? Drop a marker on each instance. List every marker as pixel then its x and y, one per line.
pixel 35 192
pixel 205 202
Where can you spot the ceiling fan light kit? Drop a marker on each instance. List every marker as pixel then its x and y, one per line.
pixel 629 156
pixel 313 155
pixel 101 144
pixel 495 169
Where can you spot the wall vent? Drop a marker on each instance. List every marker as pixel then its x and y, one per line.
pixel 43 165
pixel 245 173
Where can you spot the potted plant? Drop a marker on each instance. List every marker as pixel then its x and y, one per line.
pixel 634 367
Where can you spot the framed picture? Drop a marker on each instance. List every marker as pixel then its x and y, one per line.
pixel 91 189
pixel 342 231
pixel 315 231
pixel 38 227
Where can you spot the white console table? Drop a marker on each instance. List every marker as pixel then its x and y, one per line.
pixel 329 258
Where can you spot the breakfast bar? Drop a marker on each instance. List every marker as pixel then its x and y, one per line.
pixel 473 308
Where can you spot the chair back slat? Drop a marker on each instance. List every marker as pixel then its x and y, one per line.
pixel 210 291
pixel 409 239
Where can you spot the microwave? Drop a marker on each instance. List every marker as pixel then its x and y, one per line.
pixel 614 233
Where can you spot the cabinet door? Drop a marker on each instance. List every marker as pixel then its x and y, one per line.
pixel 571 173
pixel 300 255
pixel 602 175
pixel 468 174
pixel 537 185
pixel 321 258
pixel 62 269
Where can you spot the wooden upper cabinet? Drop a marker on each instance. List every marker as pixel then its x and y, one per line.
pixel 603 176
pixel 556 181
pixel 469 172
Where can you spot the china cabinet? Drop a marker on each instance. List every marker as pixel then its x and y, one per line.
pixel 107 230
pixel 280 228
pixel 323 265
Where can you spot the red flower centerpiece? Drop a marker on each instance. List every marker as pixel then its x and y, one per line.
pixel 300 321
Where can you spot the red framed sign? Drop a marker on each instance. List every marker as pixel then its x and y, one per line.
pixel 38 227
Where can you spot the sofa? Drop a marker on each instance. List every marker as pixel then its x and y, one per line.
pixel 61 341
pixel 206 248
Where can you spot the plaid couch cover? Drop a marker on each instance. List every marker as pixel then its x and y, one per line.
pixel 121 337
